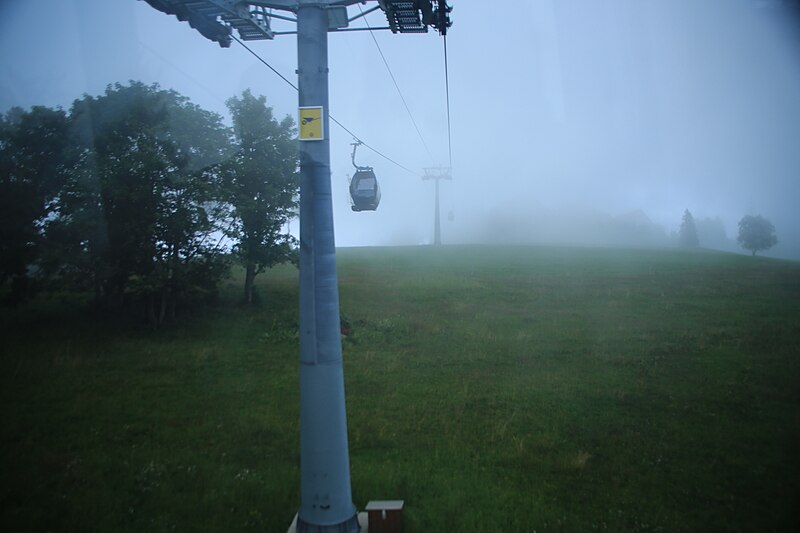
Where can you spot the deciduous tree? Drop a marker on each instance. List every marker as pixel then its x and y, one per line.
pixel 136 217
pixel 262 185
pixel 756 233
pixel 32 161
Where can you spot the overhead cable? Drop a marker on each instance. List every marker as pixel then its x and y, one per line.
pixel 447 92
pixel 293 86
pixel 396 86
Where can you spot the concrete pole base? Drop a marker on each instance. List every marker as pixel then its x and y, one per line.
pixel 363 524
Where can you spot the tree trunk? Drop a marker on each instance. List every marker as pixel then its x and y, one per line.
pixel 172 296
pixel 173 304
pixel 98 291
pixel 162 313
pixel 151 311
pixel 249 282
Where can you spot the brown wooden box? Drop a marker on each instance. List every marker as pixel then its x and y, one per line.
pixel 385 516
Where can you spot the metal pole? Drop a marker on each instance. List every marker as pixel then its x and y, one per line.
pixel 437 229
pixel 326 503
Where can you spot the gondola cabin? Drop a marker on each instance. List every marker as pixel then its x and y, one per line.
pixel 365 193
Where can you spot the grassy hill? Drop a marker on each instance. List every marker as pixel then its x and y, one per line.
pixel 491 388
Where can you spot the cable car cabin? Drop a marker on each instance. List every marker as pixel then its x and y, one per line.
pixel 365 192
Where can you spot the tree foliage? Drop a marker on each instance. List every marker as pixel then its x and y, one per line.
pixel 261 185
pixel 135 220
pixel 33 146
pixel 756 233
pixel 711 232
pixel 132 194
pixel 687 235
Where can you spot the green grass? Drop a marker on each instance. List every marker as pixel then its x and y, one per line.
pixel 493 389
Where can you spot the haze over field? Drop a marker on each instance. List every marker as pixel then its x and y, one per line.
pixel 573 121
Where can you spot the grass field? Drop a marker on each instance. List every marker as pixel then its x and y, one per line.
pixel 493 389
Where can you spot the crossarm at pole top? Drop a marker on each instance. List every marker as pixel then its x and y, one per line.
pixel 415 17
pixel 215 19
pixel 292 5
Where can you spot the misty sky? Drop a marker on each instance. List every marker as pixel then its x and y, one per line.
pixel 557 105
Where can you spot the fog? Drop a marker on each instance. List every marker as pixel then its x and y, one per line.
pixel 576 122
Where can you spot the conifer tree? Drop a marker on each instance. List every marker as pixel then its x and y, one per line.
pixel 687 236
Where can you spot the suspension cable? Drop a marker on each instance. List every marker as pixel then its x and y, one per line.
pixel 447 92
pixel 293 86
pixel 396 86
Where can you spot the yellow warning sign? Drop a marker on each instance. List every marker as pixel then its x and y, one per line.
pixel 311 123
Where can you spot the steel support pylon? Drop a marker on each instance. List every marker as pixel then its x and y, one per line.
pixel 437 227
pixel 325 493
pixel 437 174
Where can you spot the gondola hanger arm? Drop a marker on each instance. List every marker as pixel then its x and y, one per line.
pixel 355 146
